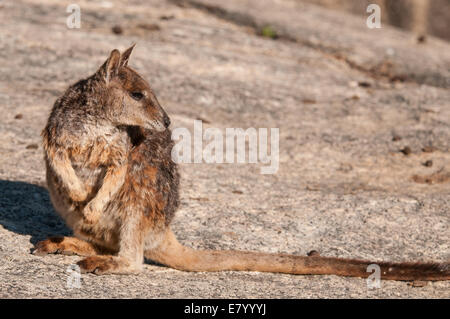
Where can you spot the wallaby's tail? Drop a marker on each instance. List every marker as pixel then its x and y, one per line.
pixel 171 253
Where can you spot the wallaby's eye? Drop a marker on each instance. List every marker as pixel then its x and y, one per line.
pixel 137 95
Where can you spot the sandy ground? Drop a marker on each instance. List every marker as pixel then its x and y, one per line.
pixel 347 101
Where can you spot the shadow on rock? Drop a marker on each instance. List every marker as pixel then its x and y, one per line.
pixel 26 209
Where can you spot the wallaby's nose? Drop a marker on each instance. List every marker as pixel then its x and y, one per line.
pixel 166 121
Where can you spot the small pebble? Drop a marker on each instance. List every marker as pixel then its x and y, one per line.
pixel 170 17
pixel 364 84
pixel 406 150
pixel 421 39
pixel 428 149
pixel 313 253
pixel 428 163
pixel 32 147
pixel 117 29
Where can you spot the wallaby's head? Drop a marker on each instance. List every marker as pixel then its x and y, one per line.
pixel 126 97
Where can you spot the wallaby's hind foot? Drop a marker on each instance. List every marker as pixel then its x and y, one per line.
pixel 65 246
pixel 101 265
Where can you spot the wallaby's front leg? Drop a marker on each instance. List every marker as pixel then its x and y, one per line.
pixel 62 167
pixel 131 252
pixel 113 181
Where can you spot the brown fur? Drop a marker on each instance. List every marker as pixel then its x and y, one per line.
pixel 66 246
pixel 112 179
pixel 173 254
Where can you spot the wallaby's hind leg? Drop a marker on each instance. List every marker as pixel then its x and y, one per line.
pixel 65 246
pixel 130 257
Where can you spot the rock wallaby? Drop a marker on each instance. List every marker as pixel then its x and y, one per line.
pixel 110 175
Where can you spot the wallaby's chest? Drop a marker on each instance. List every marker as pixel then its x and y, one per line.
pixel 91 156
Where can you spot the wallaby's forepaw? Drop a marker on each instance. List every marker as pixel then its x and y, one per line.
pixel 78 193
pixel 101 265
pixel 91 213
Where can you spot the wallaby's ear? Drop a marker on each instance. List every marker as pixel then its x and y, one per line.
pixel 111 66
pixel 126 55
